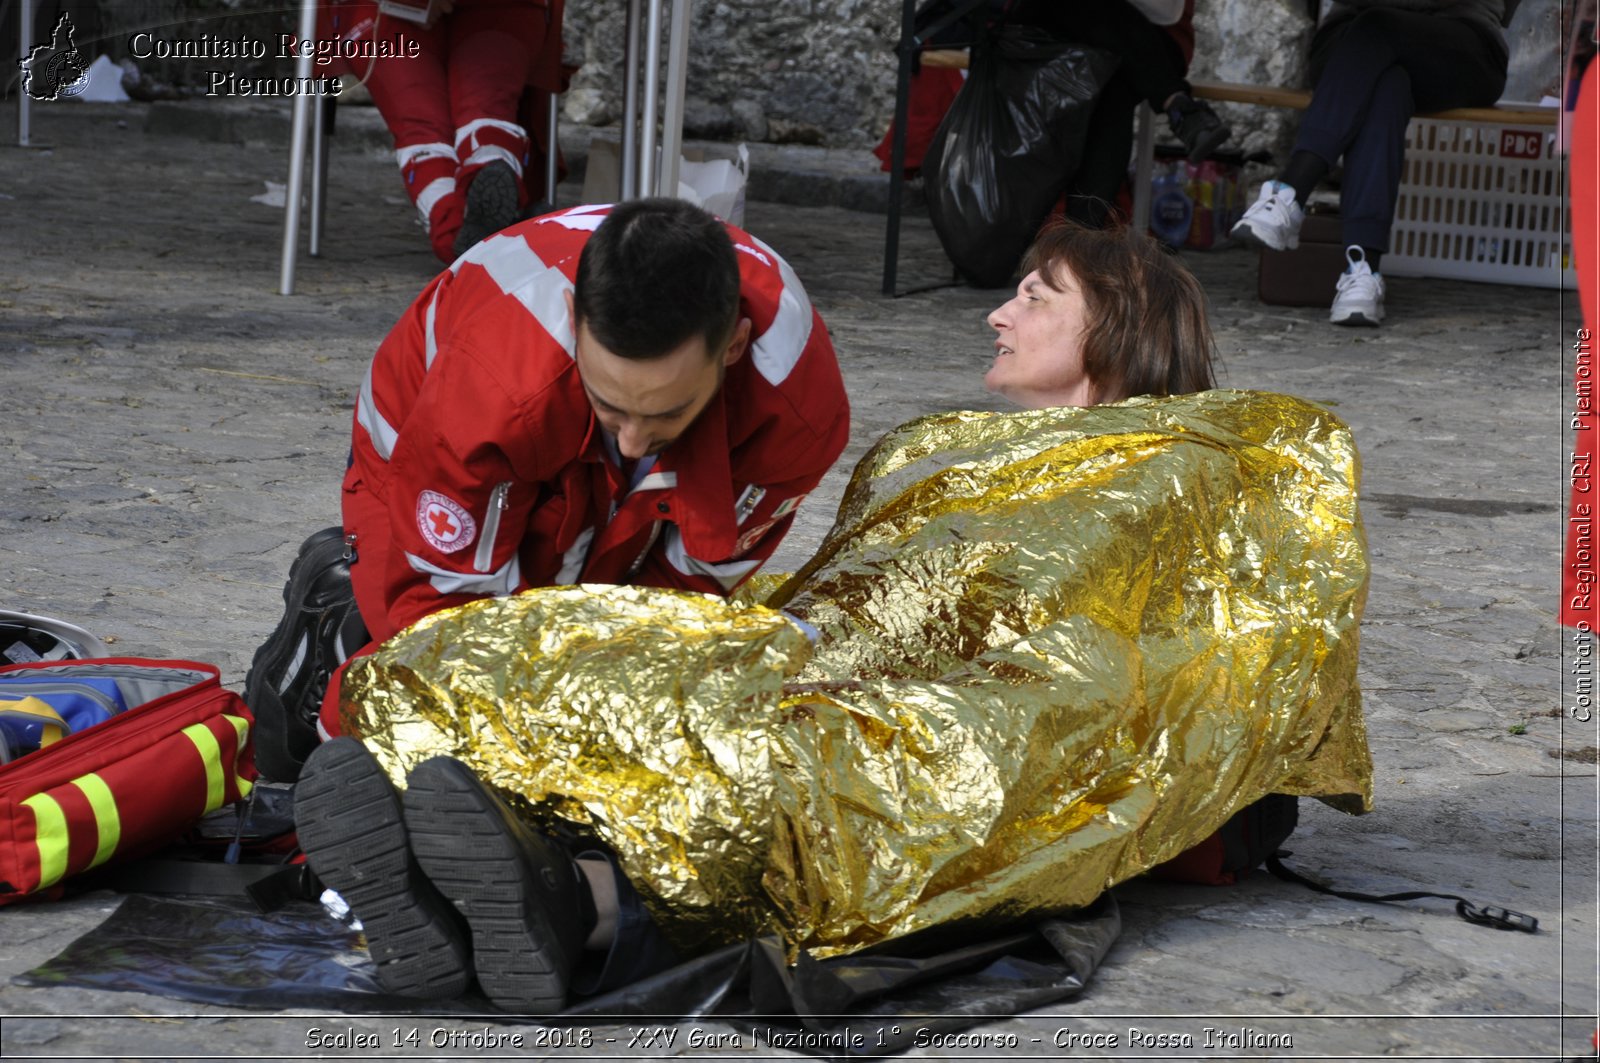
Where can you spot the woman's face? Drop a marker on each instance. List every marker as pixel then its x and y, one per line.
pixel 1039 345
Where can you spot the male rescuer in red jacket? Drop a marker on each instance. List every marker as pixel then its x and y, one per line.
pixel 635 394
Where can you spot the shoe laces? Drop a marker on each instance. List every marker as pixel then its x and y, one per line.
pixel 1358 278
pixel 1280 204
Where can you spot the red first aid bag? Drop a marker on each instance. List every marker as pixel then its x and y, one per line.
pixel 125 786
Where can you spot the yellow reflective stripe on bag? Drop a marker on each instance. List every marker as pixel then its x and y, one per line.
pixel 241 727
pixel 50 834
pixel 53 839
pixel 210 750
pixel 107 820
pixel 205 743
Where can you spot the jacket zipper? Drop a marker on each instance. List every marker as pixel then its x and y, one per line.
pixel 484 560
pixel 638 562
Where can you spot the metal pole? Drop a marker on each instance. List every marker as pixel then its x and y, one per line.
pixel 1143 168
pixel 652 75
pixel 553 150
pixel 672 111
pixel 322 107
pixel 897 147
pixel 24 42
pixel 297 151
pixel 630 107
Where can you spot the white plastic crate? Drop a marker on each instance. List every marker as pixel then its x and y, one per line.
pixel 1482 202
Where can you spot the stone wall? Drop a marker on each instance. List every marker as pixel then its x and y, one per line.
pixel 804 71
pixel 1228 46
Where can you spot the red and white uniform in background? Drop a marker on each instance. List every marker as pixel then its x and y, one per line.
pixel 454 108
pixel 479 469
pixel 1580 594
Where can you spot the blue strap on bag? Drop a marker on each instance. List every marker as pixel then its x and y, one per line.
pixel 37 712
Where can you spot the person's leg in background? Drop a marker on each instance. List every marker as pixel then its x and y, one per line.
pixel 492 45
pixel 413 95
pixel 1434 64
pixel 1437 63
pixel 1373 163
pixel 1152 64
pixel 1104 163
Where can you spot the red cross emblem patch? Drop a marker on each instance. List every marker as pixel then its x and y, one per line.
pixel 444 522
pixel 750 538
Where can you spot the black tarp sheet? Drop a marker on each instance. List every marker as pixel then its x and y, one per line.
pixel 223 952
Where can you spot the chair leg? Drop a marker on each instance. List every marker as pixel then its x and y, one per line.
pixel 910 44
pixel 552 148
pixel 629 187
pixel 24 42
pixel 297 154
pixel 1143 168
pixel 897 149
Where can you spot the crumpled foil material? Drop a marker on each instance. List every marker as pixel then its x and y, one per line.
pixel 1058 648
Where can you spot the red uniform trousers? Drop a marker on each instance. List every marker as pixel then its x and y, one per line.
pixel 453 108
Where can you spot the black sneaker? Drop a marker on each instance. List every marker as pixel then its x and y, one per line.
pixel 491 205
pixel 1197 125
pixel 349 821
pixel 522 894
pixel 289 674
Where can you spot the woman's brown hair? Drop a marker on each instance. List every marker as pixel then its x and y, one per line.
pixel 1147 331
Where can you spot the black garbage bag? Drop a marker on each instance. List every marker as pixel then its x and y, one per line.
pixel 879 1001
pixel 1008 146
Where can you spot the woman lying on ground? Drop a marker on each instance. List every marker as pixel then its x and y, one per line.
pixel 1055 648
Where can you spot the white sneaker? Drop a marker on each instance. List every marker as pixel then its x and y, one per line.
pixel 1273 220
pixel 1359 299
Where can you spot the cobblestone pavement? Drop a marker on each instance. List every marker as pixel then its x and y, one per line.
pixel 173 428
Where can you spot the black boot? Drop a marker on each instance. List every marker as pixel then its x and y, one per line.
pixel 491 205
pixel 1197 125
pixel 350 824
pixel 524 897
pixel 320 629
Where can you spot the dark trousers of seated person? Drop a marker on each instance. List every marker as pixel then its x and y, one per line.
pixel 638 950
pixel 1370 75
pixel 1152 63
pixel 1152 69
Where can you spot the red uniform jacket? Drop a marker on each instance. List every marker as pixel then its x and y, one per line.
pixel 478 467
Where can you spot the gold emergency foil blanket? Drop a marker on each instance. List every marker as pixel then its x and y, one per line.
pixel 1057 648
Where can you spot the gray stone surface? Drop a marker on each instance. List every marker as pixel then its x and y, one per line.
pixel 173 429
pixel 1228 47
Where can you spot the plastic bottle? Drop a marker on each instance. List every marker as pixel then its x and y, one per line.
pixel 1171 210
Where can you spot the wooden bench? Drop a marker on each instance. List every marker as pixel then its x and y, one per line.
pixel 1300 99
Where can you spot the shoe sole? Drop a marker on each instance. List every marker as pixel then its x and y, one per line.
pixel 491 206
pixel 351 826
pixel 1245 234
pixel 275 760
pixel 1357 318
pixel 457 837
